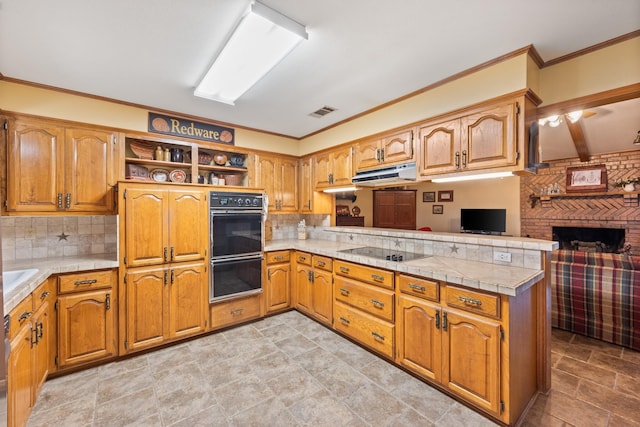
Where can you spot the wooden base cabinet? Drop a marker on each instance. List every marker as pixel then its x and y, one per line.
pixel 314 286
pixel 32 339
pixel 277 289
pixel 87 317
pixel 462 343
pixel 163 303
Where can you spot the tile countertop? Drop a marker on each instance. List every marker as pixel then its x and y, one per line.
pixel 503 279
pixel 48 266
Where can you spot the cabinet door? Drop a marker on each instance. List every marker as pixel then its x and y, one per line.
pixel 322 168
pixel 471 358
pixel 303 288
pixel 35 167
pixel 438 145
pixel 42 321
pixel 268 175
pixel 367 154
pixel 322 296
pixel 397 148
pixel 19 379
pixel 146 313
pixel 188 302
pixel 146 227
pixel 288 178
pixel 306 185
pixel 489 138
pixel 418 337
pixel 342 167
pixel 86 327
pixel 188 225
pixel 278 287
pixel 89 170
pixel 394 209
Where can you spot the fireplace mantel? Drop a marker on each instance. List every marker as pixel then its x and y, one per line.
pixel 630 198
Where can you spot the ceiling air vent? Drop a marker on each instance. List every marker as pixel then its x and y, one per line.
pixel 321 112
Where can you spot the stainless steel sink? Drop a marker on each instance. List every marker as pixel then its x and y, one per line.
pixel 384 254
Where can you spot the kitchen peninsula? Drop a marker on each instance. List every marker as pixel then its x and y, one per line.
pixel 467 314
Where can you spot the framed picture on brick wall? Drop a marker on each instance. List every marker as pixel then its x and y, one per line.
pixel 587 179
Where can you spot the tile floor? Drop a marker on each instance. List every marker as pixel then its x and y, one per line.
pixel 287 370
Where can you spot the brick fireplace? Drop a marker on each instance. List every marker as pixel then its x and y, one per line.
pixel 612 209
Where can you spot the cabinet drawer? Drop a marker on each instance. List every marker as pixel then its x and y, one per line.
pixel 323 262
pixel 371 299
pixel 235 311
pixel 423 288
pixel 473 301
pixel 45 292
pixel 79 282
pixel 365 274
pixel 20 315
pixel 369 330
pixel 303 258
pixel 278 257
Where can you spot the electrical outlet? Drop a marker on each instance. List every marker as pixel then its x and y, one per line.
pixel 502 256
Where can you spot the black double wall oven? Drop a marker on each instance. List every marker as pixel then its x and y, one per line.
pixel 236 236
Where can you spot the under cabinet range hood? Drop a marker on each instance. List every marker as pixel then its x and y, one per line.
pixel 399 175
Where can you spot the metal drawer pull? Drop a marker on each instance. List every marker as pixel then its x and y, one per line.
pixel 45 294
pixel 278 257
pixel 377 277
pixel 417 287
pixel 85 282
pixel 377 303
pixel 344 292
pixel 321 263
pixel 470 300
pixel 237 311
pixel 377 336
pixel 25 315
pixel 302 258
pixel 344 269
pixel 345 321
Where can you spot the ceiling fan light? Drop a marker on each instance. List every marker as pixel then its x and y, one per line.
pixel 574 116
pixel 555 123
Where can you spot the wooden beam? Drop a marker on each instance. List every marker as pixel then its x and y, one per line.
pixel 575 129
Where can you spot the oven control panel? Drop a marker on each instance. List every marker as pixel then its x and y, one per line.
pixel 223 200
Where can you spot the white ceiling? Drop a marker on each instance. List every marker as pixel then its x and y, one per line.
pixel 360 53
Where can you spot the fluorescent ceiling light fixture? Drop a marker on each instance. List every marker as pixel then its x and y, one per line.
pixel 473 177
pixel 340 189
pixel 259 42
pixel 574 116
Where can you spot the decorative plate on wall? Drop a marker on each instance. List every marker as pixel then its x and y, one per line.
pixel 159 175
pixel 177 175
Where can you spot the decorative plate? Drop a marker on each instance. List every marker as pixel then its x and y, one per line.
pixel 177 175
pixel 159 175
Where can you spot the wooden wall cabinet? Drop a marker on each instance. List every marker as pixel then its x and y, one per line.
pixel 277 289
pixel 314 286
pixel 394 209
pixel 386 150
pixel 484 139
pixel 58 169
pixel 164 279
pixel 279 177
pixel 333 168
pixel 87 317
pixel 312 201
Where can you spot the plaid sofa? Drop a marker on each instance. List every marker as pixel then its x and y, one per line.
pixel 597 295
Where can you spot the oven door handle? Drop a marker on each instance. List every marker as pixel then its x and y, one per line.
pixel 236 258
pixel 232 212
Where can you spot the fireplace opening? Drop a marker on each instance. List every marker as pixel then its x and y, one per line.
pixel 589 239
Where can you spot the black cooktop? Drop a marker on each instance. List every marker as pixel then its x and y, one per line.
pixel 385 254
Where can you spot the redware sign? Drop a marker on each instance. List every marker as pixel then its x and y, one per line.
pixel 176 126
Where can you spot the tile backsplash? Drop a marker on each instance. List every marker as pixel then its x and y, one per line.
pixel 32 237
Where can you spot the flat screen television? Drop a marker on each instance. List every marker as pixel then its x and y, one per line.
pixel 483 221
